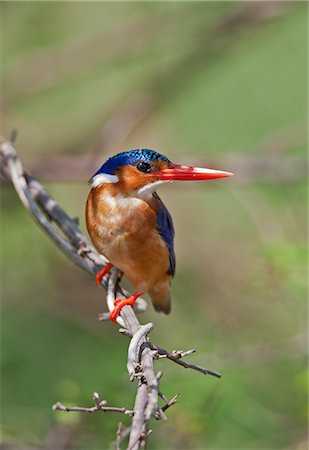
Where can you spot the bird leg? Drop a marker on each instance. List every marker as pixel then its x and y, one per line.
pixel 102 273
pixel 121 302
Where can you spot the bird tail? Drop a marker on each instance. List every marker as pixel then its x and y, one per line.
pixel 160 295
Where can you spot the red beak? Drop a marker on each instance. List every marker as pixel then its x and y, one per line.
pixel 190 173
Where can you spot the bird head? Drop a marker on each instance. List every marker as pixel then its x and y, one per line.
pixel 142 170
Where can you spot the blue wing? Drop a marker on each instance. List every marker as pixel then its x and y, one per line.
pixel 166 231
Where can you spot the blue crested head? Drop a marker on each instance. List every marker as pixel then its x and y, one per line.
pixel 131 157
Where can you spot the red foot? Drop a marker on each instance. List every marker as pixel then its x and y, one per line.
pixel 121 302
pixel 102 273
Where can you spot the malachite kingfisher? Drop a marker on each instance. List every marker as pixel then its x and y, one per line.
pixel 131 227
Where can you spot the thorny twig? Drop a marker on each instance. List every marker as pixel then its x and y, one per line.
pixel 65 233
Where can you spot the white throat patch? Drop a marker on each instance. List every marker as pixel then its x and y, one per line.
pixel 103 178
pixel 148 189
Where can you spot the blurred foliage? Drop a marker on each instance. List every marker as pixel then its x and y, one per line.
pixel 199 80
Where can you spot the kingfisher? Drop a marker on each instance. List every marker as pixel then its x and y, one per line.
pixel 129 224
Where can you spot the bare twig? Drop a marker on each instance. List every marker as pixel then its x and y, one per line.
pixel 176 356
pixel 170 402
pixel 118 436
pixel 99 405
pixel 121 434
pixel 65 233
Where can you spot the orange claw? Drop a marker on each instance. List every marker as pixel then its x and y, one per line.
pixel 121 302
pixel 102 273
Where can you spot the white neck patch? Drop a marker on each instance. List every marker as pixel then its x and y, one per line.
pixel 103 178
pixel 148 189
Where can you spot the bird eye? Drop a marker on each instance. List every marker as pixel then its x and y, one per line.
pixel 143 166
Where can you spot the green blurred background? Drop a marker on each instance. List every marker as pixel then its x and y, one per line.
pixel 221 84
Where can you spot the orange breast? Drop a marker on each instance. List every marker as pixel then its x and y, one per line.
pixel 124 229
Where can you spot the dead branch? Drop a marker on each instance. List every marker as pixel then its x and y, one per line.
pixel 99 405
pixel 66 235
pixel 176 356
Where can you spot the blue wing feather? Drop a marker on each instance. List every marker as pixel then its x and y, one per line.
pixel 166 231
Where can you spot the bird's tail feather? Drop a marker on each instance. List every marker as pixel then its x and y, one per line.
pixel 161 296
